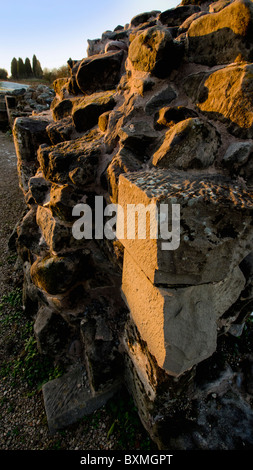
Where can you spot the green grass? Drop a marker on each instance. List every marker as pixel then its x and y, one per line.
pixel 126 425
pixel 25 362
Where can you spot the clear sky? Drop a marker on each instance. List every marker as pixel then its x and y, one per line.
pixel 55 30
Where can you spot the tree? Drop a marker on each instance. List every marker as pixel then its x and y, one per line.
pixel 28 68
pixel 34 62
pixel 14 68
pixel 37 70
pixel 21 68
pixel 3 74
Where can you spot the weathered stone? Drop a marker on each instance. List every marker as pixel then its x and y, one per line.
pixel 187 23
pixel 69 398
pixel 39 188
pixel 124 162
pixel 86 113
pixel 103 121
pixel 62 200
pixel 189 144
pixel 63 108
pixel 178 325
pixel 143 18
pixel 154 51
pixel 218 6
pixel 29 134
pixel 223 37
pixel 95 46
pixel 237 154
pixel 57 235
pixel 160 99
pixel 25 243
pixel 238 159
pixel 116 46
pixel 59 83
pixel 225 95
pixel 59 162
pixel 176 16
pixel 100 72
pixel 114 35
pixel 60 131
pixel 169 116
pixel 137 136
pixel 188 298
pixel 104 362
pixel 215 225
pixel 56 274
pixel 52 333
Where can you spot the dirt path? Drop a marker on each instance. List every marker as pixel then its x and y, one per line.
pixel 11 206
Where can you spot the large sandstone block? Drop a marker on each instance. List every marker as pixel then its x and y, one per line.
pixel 223 37
pixel 63 108
pixel 143 18
pixel 176 16
pixel 215 225
pixel 57 274
pixel 70 398
pixel 225 95
pixel 55 233
pixel 29 133
pixel 191 143
pixel 86 112
pixel 74 160
pixel 61 131
pixel 178 325
pixel 100 72
pixel 154 50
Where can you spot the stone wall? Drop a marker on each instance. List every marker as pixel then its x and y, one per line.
pixel 160 111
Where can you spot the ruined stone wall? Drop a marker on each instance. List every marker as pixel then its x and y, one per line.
pixel 161 112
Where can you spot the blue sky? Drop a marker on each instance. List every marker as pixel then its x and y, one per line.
pixel 55 30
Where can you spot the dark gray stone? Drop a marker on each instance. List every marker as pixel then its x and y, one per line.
pixel 160 99
pixel 69 398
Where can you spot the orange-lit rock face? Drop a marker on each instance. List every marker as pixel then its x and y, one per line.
pixel 225 95
pixel 154 51
pixel 179 325
pixel 189 144
pixel 222 37
pixel 215 225
pixel 177 297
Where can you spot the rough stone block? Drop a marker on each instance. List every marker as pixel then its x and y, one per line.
pixel 28 133
pixel 154 51
pixel 60 162
pixel 225 95
pixel 100 72
pixel 222 37
pixel 191 143
pixel 215 225
pixel 179 325
pixel 69 399
pixel 86 113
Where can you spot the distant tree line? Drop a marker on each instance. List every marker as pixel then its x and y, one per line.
pixel 21 69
